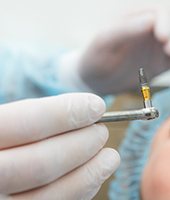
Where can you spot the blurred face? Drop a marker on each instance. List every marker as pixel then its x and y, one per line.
pixel 155 183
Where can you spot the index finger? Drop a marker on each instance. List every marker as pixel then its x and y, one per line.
pixel 36 119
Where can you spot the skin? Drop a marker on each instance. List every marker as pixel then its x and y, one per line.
pixel 155 182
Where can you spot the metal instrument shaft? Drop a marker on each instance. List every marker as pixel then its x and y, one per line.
pixel 147 113
pixel 141 114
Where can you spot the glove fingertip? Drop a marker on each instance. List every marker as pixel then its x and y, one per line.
pixel 111 159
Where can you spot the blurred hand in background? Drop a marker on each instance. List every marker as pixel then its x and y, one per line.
pixel 140 38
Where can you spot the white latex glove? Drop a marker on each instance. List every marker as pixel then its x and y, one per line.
pixel 51 149
pixel 110 65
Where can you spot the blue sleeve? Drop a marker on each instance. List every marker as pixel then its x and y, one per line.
pixel 134 152
pixel 27 75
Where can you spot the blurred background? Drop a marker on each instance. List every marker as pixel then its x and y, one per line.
pixel 60 22
pixel 49 24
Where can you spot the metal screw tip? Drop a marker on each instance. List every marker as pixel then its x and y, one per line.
pixel 142 77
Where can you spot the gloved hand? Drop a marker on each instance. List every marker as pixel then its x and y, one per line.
pixel 51 149
pixel 140 39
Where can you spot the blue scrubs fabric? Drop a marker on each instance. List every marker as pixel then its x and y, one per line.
pixel 135 149
pixel 27 75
